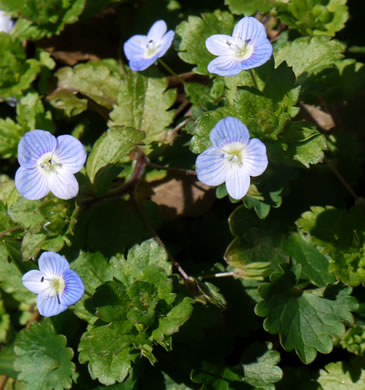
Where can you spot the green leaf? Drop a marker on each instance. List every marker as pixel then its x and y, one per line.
pixel 306 321
pixel 5 323
pixel 260 366
pixel 97 80
pixel 43 360
pixel 143 103
pixel 341 235
pixel 171 323
pixel 309 55
pixel 343 375
pixel 251 7
pixel 315 17
pixel 94 270
pixel 67 101
pixel 40 19
pixel 16 72
pixel 193 34
pixel 7 358
pixel 110 150
pixel 109 351
pixel 215 377
pixel 314 264
pixel 302 142
pixel 354 340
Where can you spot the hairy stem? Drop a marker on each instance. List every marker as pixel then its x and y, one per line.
pixel 171 71
pixel 253 78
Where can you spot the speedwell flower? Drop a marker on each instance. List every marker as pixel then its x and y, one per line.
pixel 6 22
pixel 247 48
pixel 143 50
pixel 232 158
pixel 48 164
pixel 56 284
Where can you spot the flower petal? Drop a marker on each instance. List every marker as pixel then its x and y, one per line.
pixel 217 45
pixel 6 22
pixel 229 130
pixel 237 182
pixel 249 28
pixel 31 183
pixel 157 31
pixel 32 280
pixel 135 47
pixel 52 264
pixel 71 153
pixel 63 184
pixel 74 288
pixel 255 158
pixel 33 145
pixel 165 43
pixel 49 306
pixel 225 66
pixel 261 54
pixel 211 168
pixel 141 63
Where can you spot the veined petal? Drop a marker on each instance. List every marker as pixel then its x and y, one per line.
pixel 229 130
pixel 237 182
pixel 135 46
pixel 32 280
pixel 71 153
pixel 165 43
pixel 141 63
pixel 63 184
pixel 157 31
pixel 224 66
pixel 51 263
pixel 211 168
pixel 74 288
pixel 31 183
pixel 249 28
pixel 219 44
pixel 33 145
pixel 255 158
pixel 49 306
pixel 261 54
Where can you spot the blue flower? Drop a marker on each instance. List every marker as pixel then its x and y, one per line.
pixel 48 164
pixel 247 48
pixel 6 23
pixel 232 158
pixel 56 284
pixel 143 50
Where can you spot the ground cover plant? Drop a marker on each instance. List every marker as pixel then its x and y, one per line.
pixel 181 195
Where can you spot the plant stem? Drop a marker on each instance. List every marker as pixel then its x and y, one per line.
pixel 11 230
pixel 187 172
pixel 3 381
pixel 171 71
pixel 155 236
pixel 253 78
pixel 217 275
pixel 343 181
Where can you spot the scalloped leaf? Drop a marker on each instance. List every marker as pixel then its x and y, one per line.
pixel 17 72
pixel 98 80
pixel 109 151
pixel 315 17
pixel 309 55
pixel 251 7
pixel 43 360
pixel 343 375
pixel 306 321
pixel 42 18
pixel 138 106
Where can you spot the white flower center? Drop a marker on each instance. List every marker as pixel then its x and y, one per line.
pixel 49 163
pixel 241 50
pixel 54 286
pixel 234 153
pixel 151 48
